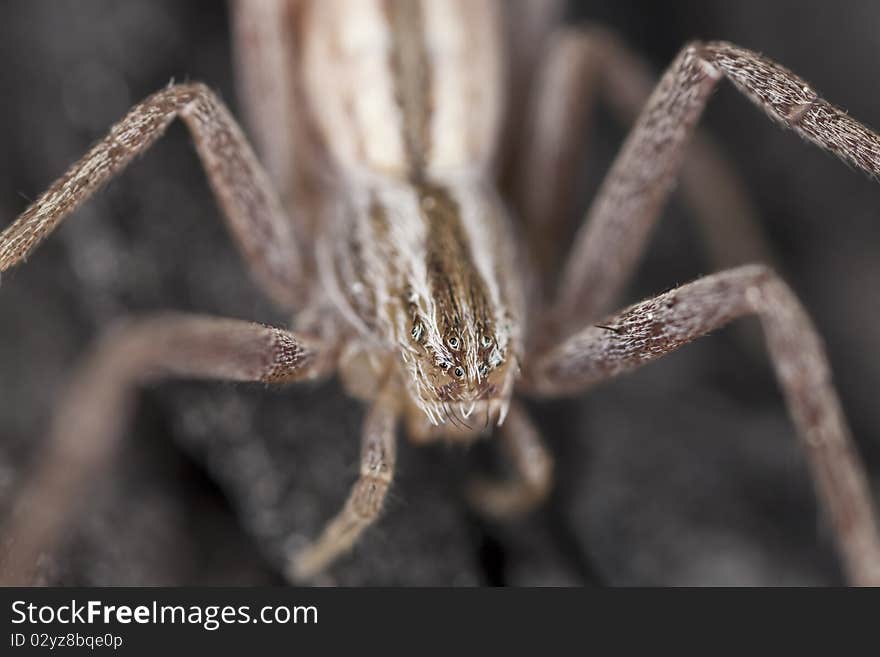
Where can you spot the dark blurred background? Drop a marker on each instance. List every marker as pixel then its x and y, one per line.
pixel 687 472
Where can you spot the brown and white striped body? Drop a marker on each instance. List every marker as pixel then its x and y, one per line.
pixel 414 251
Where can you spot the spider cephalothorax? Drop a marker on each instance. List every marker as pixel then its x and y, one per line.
pixel 463 342
pixel 424 274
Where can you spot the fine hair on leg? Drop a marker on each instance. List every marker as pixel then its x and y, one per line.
pixel 587 65
pixel 653 328
pixel 252 209
pixel 629 200
pixel 532 470
pixel 364 503
pixel 86 428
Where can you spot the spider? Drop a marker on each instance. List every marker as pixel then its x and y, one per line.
pixel 382 222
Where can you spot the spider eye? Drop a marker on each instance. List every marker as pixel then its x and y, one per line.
pixel 445 365
pixel 486 341
pixel 454 343
pixel 458 372
pixel 417 331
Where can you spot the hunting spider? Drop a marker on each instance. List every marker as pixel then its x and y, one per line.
pixel 379 223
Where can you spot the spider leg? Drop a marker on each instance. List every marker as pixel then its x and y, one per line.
pixel 617 225
pixel 532 464
pixel 254 214
pixel 585 65
pixel 531 22
pixel 264 78
pixel 653 328
pixel 86 428
pixel 364 503
pixel 266 39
